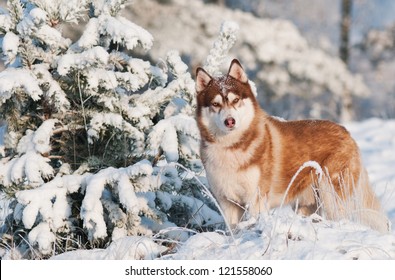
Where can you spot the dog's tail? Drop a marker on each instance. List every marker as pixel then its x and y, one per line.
pixel 356 201
pixel 369 211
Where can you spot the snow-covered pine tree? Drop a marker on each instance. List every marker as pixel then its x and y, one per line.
pixel 95 137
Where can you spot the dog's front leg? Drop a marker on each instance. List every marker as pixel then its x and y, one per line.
pixel 232 211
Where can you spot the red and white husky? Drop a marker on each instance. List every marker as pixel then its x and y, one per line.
pixel 251 157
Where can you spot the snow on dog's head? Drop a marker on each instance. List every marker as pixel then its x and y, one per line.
pixel 225 103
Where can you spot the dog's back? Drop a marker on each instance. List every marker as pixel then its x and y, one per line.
pixel 344 190
pixel 328 144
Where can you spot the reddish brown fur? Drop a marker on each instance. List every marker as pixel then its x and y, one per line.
pixel 327 143
pixel 278 149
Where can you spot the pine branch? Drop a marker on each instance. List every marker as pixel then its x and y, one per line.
pixel 15 9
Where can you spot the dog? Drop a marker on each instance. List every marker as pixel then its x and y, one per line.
pixel 250 157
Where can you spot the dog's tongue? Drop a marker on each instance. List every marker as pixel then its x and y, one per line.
pixel 230 122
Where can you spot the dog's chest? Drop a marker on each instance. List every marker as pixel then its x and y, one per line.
pixel 229 174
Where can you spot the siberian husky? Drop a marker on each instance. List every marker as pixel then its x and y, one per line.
pixel 250 157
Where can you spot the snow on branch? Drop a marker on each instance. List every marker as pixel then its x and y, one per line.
pixel 30 167
pixel 125 33
pixel 10 47
pixel 108 7
pixel 95 57
pixel 127 181
pixel 35 24
pixel 137 76
pixel 52 90
pixel 200 213
pixel 176 65
pixel 107 24
pixel 46 209
pixel 15 11
pixel 100 78
pixel 43 236
pixel 134 75
pixel 39 140
pixel 178 95
pixel 100 122
pixel 49 200
pixel 5 22
pixel 221 47
pixel 119 30
pixel 183 87
pixel 90 37
pixel 12 80
pixel 176 136
pixel 63 10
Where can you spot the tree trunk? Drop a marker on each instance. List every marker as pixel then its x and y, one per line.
pixel 346 113
pixel 345 26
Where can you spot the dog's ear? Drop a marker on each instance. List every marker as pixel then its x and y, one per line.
pixel 236 71
pixel 202 79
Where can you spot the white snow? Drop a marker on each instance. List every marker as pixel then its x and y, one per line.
pixel 42 135
pixel 124 32
pixel 5 21
pixel 128 248
pixel 30 164
pixel 53 90
pixel 78 61
pixel 92 207
pixel 52 37
pixel 43 236
pixel 118 29
pixel 13 79
pixel 90 37
pixel 101 120
pixel 166 134
pixel 69 10
pixel 10 46
pixel 221 47
pixel 178 66
pixel 38 16
pixel 283 234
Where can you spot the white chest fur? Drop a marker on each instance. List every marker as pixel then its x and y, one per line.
pixel 226 177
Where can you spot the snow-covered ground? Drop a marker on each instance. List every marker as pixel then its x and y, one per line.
pixel 283 234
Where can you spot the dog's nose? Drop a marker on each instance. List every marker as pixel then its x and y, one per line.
pixel 230 122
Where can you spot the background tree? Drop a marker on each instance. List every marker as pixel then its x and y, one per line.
pixel 344 49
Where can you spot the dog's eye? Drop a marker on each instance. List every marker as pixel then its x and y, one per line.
pixel 215 104
pixel 236 100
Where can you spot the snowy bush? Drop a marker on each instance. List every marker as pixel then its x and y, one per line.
pixel 95 136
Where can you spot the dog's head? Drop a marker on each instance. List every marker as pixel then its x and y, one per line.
pixel 225 103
